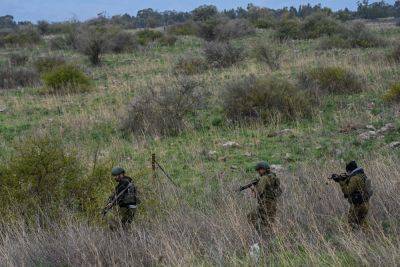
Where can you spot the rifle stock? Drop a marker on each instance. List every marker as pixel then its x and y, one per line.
pixel 249 185
pixel 111 204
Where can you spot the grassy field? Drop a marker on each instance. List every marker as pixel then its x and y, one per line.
pixel 204 221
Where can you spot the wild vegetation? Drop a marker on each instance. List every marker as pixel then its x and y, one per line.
pixel 306 89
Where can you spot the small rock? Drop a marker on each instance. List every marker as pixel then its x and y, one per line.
pixel 277 168
pixel 371 105
pixel 288 156
pixel 394 145
pixel 338 152
pixel 233 167
pixel 370 127
pixel 230 144
pixel 367 135
pixel 3 108
pixel 248 154
pixel 212 153
pixel 387 128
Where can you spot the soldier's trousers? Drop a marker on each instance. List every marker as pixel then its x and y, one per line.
pixel 264 216
pixel 126 215
pixel 358 214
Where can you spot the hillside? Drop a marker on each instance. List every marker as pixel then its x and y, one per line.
pixel 309 128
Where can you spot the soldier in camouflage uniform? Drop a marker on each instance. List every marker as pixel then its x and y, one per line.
pixel 128 201
pixel 357 189
pixel 267 191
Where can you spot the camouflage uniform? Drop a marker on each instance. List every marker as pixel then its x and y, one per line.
pixel 267 191
pixel 357 190
pixel 127 202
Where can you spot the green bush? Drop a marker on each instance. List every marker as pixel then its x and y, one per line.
pixel 165 109
pixel 41 175
pixel 59 43
pixel 222 55
pixel 289 29
pixel 185 28
pixel 354 36
pixel 93 41
pixel 269 53
pixel 264 99
pixel 145 37
pixel 190 64
pixel 26 36
pixel 167 40
pixel 48 63
pixel 335 80
pixel 393 94
pixel 66 79
pixel 320 24
pixel 11 78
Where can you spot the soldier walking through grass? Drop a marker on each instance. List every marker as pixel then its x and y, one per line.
pixel 357 189
pixel 267 190
pixel 125 197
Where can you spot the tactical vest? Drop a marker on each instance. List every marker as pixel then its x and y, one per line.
pixel 357 188
pixel 269 187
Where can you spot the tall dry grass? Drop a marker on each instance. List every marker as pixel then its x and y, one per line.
pixel 311 228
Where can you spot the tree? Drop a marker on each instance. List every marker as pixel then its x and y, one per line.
pixel 205 12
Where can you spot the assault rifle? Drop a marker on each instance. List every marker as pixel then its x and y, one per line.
pixel 338 177
pixel 249 185
pixel 114 201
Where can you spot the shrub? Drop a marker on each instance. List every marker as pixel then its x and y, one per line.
pixel 66 79
pixel 221 55
pixel 59 43
pixel 164 110
pixel 123 42
pixel 18 77
pixel 204 12
pixel 43 27
pixel 190 64
pixel 93 41
pixel 168 40
pixel 48 63
pixel 207 29
pixel 393 94
pixel 185 28
pixel 334 80
pixel 18 59
pixel 354 36
pixel 264 99
pixel 41 175
pixel 144 37
pixel 395 54
pixel 289 29
pixel 233 29
pixel 269 54
pixel 26 36
pixel 320 24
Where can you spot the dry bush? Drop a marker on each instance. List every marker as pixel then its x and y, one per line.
pixel 18 59
pixel 393 94
pixel 269 53
pixel 394 55
pixel 333 80
pixel 222 55
pixel 311 228
pixel 164 109
pixel 122 42
pixel 93 42
pixel 66 79
pixel 233 29
pixel 11 78
pixel 48 63
pixel 190 64
pixel 265 98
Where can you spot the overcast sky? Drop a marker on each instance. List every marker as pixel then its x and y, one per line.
pixel 59 10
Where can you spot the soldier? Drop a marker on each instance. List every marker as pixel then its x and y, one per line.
pixel 357 189
pixel 266 189
pixel 125 196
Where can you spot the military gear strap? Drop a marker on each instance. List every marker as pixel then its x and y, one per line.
pixel 111 204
